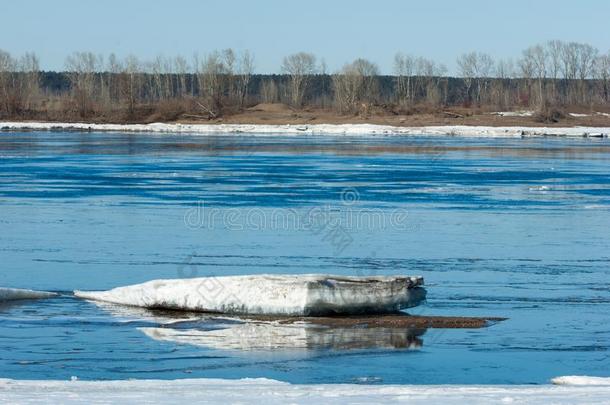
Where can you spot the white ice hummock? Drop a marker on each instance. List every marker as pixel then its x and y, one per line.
pixel 285 295
pixel 12 294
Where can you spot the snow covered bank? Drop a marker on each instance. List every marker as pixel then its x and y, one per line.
pixel 287 295
pixel 266 391
pixel 319 129
pixel 12 294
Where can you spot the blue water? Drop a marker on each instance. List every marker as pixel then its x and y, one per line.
pixel 511 228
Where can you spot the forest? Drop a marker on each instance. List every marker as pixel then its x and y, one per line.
pixel 548 78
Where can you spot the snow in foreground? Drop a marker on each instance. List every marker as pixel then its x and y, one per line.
pixel 12 294
pixel 265 391
pixel 288 295
pixel 319 129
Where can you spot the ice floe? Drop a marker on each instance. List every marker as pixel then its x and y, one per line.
pixel 317 129
pixel 285 295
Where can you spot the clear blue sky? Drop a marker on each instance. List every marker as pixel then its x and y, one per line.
pixel 336 30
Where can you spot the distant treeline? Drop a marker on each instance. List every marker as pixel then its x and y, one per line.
pixel 553 75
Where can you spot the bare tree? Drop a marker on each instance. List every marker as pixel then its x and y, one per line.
pixel 569 60
pixel 182 69
pixel 82 68
pixel 500 91
pixel 535 59
pixel 404 66
pixel 554 50
pixel 113 71
pixel 7 66
pixel 586 66
pixel 29 70
pixel 602 73
pixel 212 74
pixel 19 82
pixel 475 66
pixel 300 67
pixel 269 92
pixel 245 69
pixel 355 86
pixel 131 87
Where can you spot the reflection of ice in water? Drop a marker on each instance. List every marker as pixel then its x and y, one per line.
pixel 136 314
pixel 260 336
pixel 226 333
pixel 17 294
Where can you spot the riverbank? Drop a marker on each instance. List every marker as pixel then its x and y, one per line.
pixel 316 129
pixel 595 391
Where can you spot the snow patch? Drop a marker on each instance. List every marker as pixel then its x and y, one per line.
pixel 12 294
pixel 286 295
pixel 513 113
pixel 318 129
pixel 581 380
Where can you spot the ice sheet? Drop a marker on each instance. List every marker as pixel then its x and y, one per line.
pixel 286 295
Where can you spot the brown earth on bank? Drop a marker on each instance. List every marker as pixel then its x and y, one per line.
pixel 281 114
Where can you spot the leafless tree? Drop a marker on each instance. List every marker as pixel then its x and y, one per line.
pixel 602 73
pixel 555 72
pixel 300 67
pixel 182 69
pixel 505 69
pixel 404 69
pixel 7 67
pixel 500 91
pixel 29 71
pixel 212 74
pixel 586 66
pixel 131 78
pixel 269 92
pixel 244 71
pixel 569 60
pixel 83 68
pixel 535 59
pixel 355 86
pixel 475 67
pixel 554 50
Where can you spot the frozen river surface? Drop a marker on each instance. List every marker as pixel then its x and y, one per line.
pixel 515 228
